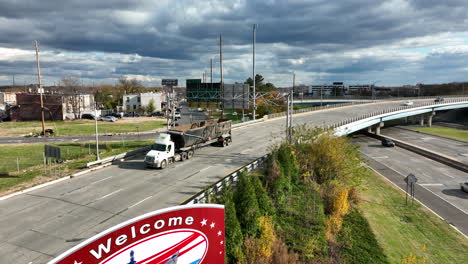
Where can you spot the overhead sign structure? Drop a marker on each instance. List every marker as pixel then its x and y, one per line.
pixel 176 235
pixel 169 82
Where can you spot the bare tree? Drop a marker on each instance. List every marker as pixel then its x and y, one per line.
pixel 72 90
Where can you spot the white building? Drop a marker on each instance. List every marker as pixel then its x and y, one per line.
pixel 73 106
pixel 133 102
pixel 7 98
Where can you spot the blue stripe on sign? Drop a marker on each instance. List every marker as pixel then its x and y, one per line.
pixel 195 262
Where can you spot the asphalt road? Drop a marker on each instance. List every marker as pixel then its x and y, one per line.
pixel 452 148
pixel 187 115
pixel 36 226
pixel 437 186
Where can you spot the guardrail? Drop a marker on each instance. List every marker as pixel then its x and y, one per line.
pixel 213 189
pixel 395 109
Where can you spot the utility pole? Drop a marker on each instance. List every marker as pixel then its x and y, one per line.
pixel 287 117
pixel 14 81
pixel 253 72
pixel 221 73
pixel 40 86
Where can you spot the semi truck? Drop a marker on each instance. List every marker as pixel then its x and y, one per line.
pixel 179 143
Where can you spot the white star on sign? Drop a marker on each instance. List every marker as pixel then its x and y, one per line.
pixel 221 242
pixel 212 225
pixel 219 232
pixel 203 223
pixel 77 262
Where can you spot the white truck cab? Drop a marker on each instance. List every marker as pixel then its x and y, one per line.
pixel 162 152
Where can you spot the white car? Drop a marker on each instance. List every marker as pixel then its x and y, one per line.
pixel 407 103
pixel 464 186
pixel 200 109
pixel 177 115
pixel 109 118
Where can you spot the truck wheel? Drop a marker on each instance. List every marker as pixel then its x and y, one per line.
pixel 163 164
pixel 189 154
pixel 225 143
pixel 183 156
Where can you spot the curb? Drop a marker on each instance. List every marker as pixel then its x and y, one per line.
pixel 434 135
pixel 42 185
pixel 425 152
pixel 417 200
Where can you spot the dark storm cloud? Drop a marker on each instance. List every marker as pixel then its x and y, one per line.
pixel 186 32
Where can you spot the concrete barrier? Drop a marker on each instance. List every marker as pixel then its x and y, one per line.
pixel 425 152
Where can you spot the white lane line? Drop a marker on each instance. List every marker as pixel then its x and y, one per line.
pixel 383 157
pixel 205 168
pixel 431 184
pixel 447 201
pixel 107 195
pixel 427 207
pixel 102 180
pixel 140 202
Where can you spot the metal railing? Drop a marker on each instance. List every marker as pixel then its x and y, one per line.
pixel 396 109
pixel 215 188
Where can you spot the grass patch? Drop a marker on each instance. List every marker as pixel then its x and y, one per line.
pixel 228 114
pixel 79 127
pixel 408 230
pixel 444 131
pixel 30 160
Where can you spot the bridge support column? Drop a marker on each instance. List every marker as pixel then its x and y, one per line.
pixel 369 129
pixel 421 120
pixel 377 128
pixel 429 119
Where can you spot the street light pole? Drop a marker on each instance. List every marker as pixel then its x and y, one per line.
pixel 97 136
pixel 253 71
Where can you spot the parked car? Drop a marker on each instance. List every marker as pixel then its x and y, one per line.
pixel 439 100
pixel 464 186
pixel 177 115
pixel 87 116
pixel 118 115
pixel 407 103
pixel 131 114
pixel 200 109
pixel 108 118
pixel 387 142
pixel 157 113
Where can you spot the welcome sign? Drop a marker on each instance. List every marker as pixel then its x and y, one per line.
pixel 177 235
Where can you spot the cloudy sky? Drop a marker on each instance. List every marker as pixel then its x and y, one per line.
pixel 390 42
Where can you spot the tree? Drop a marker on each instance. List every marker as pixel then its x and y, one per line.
pixel 73 97
pixel 234 237
pixel 151 106
pixel 247 206
pixel 130 85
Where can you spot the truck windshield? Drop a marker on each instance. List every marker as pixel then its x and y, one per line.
pixel 159 147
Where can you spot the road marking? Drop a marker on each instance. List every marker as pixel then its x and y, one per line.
pixel 431 184
pixel 140 202
pixel 383 157
pixel 447 201
pixel 416 199
pixel 205 168
pixel 107 195
pixel 101 180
